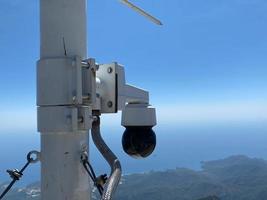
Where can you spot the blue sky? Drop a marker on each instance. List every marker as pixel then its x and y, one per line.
pixel 207 63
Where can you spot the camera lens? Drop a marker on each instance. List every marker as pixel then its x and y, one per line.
pixel 139 141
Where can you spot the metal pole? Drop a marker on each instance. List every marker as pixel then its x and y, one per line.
pixel 63 36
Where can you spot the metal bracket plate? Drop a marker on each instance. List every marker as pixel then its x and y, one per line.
pixel 107 89
pixel 64 118
pixel 59 81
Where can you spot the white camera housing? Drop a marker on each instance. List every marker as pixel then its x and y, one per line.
pixel 135 114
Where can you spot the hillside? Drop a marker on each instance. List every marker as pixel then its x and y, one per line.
pixel 233 178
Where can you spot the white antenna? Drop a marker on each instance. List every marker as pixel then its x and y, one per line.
pixel 141 11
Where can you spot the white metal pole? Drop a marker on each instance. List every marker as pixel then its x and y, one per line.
pixel 63 21
pixel 63 35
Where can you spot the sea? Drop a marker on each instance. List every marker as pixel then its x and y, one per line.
pixel 178 146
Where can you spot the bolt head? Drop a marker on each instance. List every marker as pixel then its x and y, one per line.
pixel 110 104
pixel 110 70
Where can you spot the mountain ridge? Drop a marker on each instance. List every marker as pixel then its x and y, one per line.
pixel 234 178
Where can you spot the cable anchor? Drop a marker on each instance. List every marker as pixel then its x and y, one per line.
pixel 99 181
pixel 15 174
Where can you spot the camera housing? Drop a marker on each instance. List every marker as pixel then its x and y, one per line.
pixel 139 139
pixel 138 118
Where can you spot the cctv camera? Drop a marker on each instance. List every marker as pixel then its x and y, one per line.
pixel 138 140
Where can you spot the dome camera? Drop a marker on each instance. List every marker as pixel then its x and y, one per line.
pixel 138 140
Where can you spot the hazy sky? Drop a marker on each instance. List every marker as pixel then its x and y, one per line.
pixel 207 63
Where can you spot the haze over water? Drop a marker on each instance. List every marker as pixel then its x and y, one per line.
pixel 176 147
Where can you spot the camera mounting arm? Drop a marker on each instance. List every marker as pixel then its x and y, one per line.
pixel 113 92
pixel 128 94
pixel 132 95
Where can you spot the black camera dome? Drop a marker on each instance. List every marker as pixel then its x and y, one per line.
pixel 139 141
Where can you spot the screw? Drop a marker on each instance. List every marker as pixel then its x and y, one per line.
pixel 86 97
pixel 110 70
pixel 80 119
pixel 94 118
pixel 74 99
pixel 110 104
